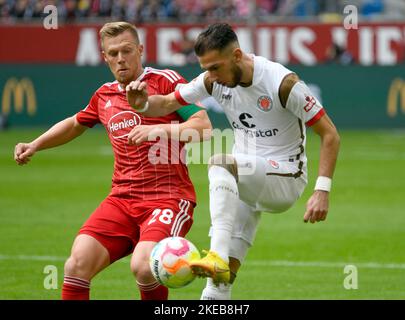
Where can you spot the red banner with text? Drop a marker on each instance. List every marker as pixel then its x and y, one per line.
pixel 307 44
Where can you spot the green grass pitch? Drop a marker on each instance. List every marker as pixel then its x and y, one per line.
pixel 43 204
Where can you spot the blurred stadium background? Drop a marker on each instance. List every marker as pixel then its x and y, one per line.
pixel 358 74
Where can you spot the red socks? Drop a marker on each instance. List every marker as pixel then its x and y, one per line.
pixel 75 289
pixel 153 291
pixel 79 289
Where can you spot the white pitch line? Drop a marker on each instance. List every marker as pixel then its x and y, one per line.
pixel 31 258
pixel 254 263
pixel 323 264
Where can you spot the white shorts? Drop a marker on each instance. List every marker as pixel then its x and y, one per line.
pixel 268 186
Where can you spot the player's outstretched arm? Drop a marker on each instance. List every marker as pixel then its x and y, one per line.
pixel 318 203
pixel 61 133
pixel 153 106
pixel 197 128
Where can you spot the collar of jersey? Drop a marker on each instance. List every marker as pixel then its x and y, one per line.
pixel 145 70
pixel 256 71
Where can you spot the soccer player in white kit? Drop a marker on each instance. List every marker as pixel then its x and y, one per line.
pixel 268 108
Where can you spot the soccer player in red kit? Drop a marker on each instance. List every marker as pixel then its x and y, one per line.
pixel 151 198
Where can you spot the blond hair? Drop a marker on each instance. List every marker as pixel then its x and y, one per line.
pixel 113 29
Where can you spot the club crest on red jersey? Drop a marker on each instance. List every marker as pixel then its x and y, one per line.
pixel 121 124
pixel 264 103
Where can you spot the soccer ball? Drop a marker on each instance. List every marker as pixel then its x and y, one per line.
pixel 169 262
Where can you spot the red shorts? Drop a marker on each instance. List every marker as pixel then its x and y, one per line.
pixel 119 223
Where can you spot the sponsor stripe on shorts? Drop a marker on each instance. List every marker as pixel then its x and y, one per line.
pixel 181 217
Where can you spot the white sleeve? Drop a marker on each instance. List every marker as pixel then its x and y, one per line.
pixel 304 105
pixel 192 92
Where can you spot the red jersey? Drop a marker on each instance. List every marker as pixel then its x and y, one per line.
pixel 135 175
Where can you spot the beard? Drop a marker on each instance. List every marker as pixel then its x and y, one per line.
pixel 125 79
pixel 236 76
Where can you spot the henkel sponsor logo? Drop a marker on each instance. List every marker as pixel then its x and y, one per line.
pixel 121 124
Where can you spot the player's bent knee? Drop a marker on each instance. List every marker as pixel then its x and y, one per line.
pixel 134 267
pixel 140 262
pixel 140 268
pixel 225 161
pixel 142 272
pixel 76 267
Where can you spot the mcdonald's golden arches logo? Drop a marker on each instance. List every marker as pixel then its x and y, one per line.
pixel 18 90
pixel 396 94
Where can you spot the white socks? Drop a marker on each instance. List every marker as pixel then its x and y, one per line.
pixel 224 198
pixel 212 292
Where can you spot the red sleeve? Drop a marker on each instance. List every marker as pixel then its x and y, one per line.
pixel 169 82
pixel 315 118
pixel 180 98
pixel 89 116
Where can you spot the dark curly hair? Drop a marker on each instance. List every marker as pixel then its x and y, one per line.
pixel 216 37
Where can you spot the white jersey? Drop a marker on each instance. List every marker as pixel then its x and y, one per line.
pixel 262 126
